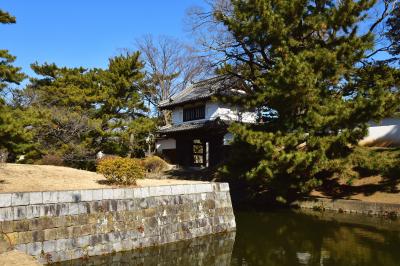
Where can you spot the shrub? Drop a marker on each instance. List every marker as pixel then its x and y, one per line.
pixel 52 159
pixel 155 164
pixel 121 171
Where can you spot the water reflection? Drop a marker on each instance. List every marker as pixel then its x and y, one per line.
pixel 279 238
pixel 289 238
pixel 211 250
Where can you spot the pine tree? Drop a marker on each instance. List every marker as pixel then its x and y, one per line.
pixel 393 33
pixel 84 111
pixel 306 70
pixel 9 74
pixel 12 132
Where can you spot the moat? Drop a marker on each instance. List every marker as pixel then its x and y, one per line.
pixel 278 238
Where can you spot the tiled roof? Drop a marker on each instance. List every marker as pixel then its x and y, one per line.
pixel 201 90
pixel 206 124
pixel 182 127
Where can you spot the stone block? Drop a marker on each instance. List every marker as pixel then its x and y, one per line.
pixel 49 246
pixel 206 188
pixel 143 203
pixel 47 222
pixel 81 242
pixel 97 194
pixel 121 205
pixel 166 190
pixel 118 193
pixel 62 232
pixel 35 198
pixel 62 209
pixel 48 210
pixel 144 192
pixel 34 249
pixel 189 189
pixel 177 189
pixel 20 247
pixel 65 196
pixel 126 244
pixel 19 212
pixel 50 197
pixel 223 187
pixel 108 193
pixel 20 226
pixel 112 205
pixel 25 237
pixel 76 196
pixel 32 211
pixel 86 195
pixel 19 198
pixel 37 236
pixel 156 191
pixel 129 193
pixel 117 246
pixel 62 244
pixel 50 234
pixel 84 207
pixel 35 224
pixel 5 200
pixel 77 253
pixel 73 208
pixel 7 226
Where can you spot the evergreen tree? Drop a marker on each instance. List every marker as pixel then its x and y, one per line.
pixel 12 132
pixel 305 67
pixel 121 91
pixel 84 111
pixel 9 74
pixel 393 33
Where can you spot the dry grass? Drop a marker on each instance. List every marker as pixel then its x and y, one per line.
pixel 24 178
pixel 357 191
pixel 368 174
pixel 17 258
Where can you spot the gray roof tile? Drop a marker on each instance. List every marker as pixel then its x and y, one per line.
pixel 201 90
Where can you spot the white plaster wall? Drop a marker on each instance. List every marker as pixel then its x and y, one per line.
pixel 211 110
pixel 215 110
pixel 387 132
pixel 165 144
pixel 177 116
pixel 233 113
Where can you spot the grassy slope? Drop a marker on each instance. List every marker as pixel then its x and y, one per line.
pixel 371 174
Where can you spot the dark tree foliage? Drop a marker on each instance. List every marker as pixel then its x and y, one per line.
pixel 83 111
pixel 393 33
pixel 306 69
pixel 13 135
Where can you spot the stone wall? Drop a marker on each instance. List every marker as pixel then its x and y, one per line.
pixel 351 206
pixel 64 225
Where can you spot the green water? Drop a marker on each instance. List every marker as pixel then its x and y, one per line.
pixel 279 238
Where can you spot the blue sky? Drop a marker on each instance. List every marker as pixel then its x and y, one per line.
pixel 86 32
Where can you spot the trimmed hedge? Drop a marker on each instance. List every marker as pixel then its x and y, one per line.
pixel 154 164
pixel 121 171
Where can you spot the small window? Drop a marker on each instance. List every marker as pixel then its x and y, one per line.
pixel 198 152
pixel 194 113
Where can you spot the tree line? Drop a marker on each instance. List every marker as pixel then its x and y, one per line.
pixel 316 72
pixel 66 115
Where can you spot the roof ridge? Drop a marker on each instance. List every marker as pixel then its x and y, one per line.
pixel 206 80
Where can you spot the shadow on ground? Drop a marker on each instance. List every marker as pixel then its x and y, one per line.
pixel 382 164
pixel 189 173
